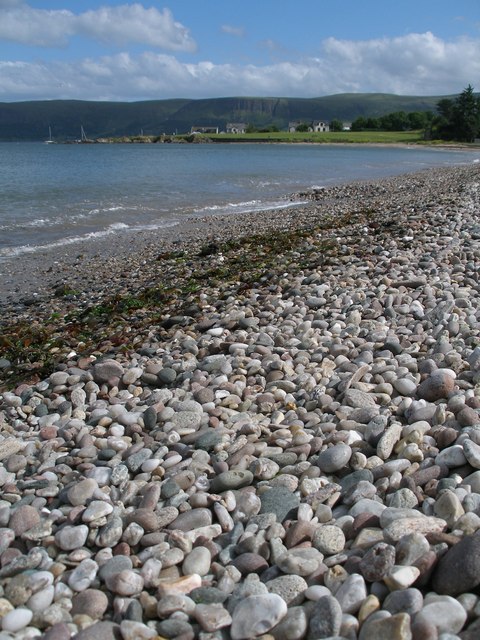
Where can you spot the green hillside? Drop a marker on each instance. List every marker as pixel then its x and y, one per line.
pixel 31 120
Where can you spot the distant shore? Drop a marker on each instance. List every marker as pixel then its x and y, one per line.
pixel 363 138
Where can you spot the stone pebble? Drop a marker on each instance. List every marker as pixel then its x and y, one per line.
pixel 298 459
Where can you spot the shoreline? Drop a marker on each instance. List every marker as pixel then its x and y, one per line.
pixel 31 275
pixel 106 281
pixel 263 431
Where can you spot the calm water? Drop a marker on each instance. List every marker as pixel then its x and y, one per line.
pixel 56 194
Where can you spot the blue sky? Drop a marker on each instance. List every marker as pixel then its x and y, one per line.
pixel 114 50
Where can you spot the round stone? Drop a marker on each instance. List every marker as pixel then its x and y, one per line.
pixel 377 562
pixel 301 561
pixel 91 602
pixel 83 575
pixel 405 386
pixel 290 588
pixel 197 561
pixel 192 519
pixel 71 537
pixel 23 518
pixel 81 492
pixel 334 458
pixel 256 615
pixel 234 479
pixel 444 612
pixel 329 539
pixel 16 619
pixel 113 566
pixel 125 583
pixel 404 600
pixel 438 385
pixel 106 370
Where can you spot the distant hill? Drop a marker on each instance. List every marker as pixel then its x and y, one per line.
pixel 31 120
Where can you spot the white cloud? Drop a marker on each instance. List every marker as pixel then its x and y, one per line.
pixel 239 32
pixel 416 64
pixel 133 23
pixel 25 25
pixel 421 64
pixel 123 24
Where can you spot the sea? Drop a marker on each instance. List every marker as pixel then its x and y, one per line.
pixel 57 194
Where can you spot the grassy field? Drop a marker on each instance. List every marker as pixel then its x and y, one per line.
pixel 348 137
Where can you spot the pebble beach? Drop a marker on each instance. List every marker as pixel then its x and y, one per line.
pixel 285 446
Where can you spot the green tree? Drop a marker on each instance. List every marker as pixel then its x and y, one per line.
pixel 336 125
pixel 303 127
pixel 359 124
pixel 419 119
pixel 466 115
pixel 396 121
pixel 458 119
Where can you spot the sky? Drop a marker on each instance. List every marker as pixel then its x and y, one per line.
pixel 129 51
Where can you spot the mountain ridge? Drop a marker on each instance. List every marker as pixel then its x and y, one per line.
pixel 30 120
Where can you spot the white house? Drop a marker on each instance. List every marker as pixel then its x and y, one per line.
pixel 236 127
pixel 319 125
pixel 316 125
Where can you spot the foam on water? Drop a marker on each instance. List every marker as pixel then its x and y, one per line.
pixel 116 227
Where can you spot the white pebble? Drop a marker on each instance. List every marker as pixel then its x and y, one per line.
pixel 17 619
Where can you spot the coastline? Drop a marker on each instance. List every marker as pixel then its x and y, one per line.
pixel 35 274
pixel 265 428
pixel 73 280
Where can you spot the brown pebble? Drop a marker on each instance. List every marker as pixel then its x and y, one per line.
pixel 91 602
pixel 146 518
pixel 468 417
pixel 473 402
pixel 299 532
pixel 23 518
pixel 248 563
pixel 48 433
pixel 444 436
pixel 121 549
pixel 8 555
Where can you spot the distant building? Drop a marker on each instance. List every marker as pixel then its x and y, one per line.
pixel 315 125
pixel 236 127
pixel 207 129
pixel 347 126
pixel 319 125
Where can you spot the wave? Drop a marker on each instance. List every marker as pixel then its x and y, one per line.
pixel 249 206
pixel 116 227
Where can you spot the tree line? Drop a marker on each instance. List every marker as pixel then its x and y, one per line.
pixel 456 119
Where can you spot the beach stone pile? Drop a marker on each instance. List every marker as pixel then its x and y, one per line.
pixel 300 461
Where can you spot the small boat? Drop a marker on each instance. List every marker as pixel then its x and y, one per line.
pixel 83 137
pixel 50 139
